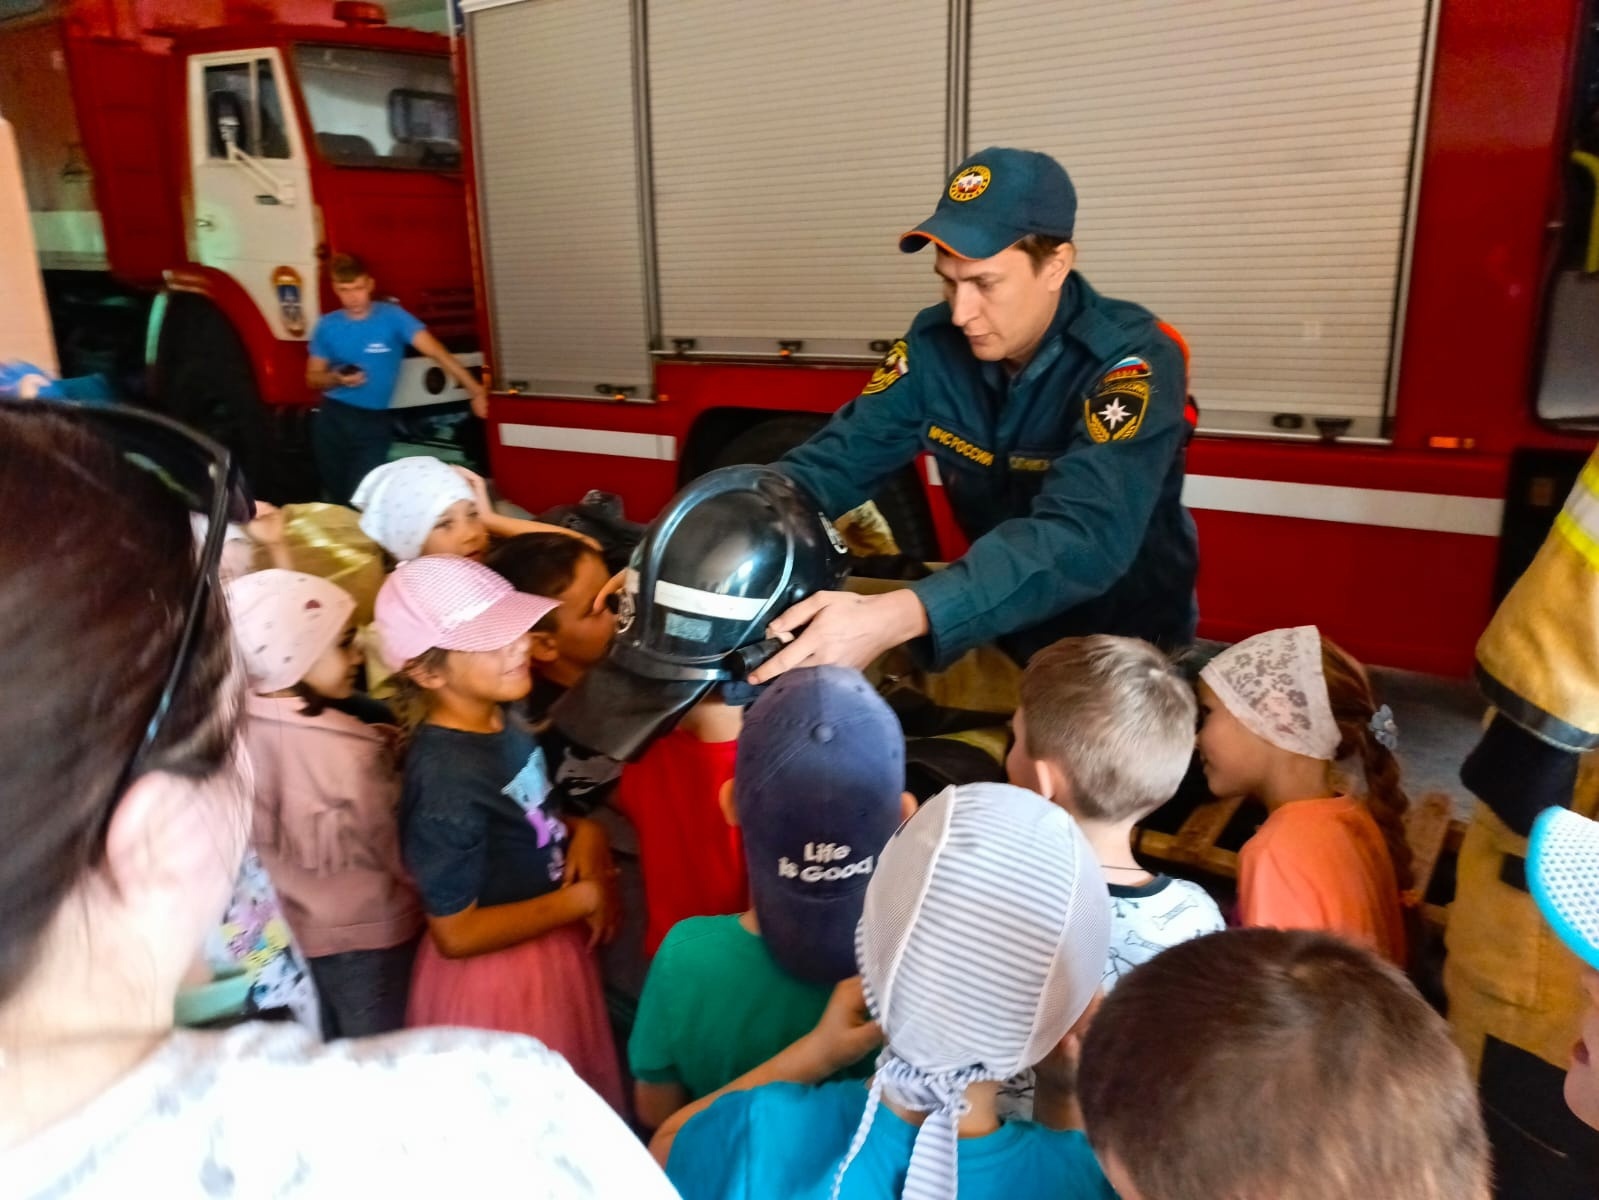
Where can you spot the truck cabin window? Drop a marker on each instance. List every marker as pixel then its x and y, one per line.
pixel 377 108
pixel 242 106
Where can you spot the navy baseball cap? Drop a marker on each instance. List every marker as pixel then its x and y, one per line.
pixel 817 784
pixel 995 199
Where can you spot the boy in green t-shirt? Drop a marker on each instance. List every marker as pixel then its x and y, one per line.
pixel 817 790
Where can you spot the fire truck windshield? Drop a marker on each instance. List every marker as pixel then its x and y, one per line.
pixel 377 108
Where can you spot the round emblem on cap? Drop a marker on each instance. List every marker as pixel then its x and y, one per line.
pixel 970 183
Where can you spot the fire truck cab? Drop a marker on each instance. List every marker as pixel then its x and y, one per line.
pixel 189 168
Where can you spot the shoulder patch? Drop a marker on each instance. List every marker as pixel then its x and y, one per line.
pixel 1129 368
pixel 1115 412
pixel 895 364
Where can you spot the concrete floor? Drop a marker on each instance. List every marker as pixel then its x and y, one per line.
pixel 1439 721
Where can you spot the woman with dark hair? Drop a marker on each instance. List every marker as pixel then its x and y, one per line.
pixel 124 803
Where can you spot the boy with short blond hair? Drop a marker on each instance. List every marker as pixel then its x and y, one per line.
pixel 1106 730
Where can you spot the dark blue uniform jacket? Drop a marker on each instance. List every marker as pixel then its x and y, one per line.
pixel 1067 477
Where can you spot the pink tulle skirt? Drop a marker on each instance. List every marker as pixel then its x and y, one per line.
pixel 548 988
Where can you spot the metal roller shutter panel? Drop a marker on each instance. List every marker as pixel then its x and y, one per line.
pixel 792 145
pixel 560 197
pixel 1243 170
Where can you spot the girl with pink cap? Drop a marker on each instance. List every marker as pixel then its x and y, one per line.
pixel 1277 712
pixel 326 793
pixel 511 924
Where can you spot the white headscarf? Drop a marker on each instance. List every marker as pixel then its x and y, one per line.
pixel 1273 684
pixel 401 501
pixel 982 942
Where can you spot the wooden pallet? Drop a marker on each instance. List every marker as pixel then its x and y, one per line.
pixel 1430 828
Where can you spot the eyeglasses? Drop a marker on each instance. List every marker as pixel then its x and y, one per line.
pixel 203 475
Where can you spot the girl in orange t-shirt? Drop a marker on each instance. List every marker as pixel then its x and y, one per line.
pixel 1276 712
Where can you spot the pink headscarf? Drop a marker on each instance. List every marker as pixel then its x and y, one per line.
pixel 283 621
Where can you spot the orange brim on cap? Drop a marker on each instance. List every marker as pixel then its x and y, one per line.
pixel 921 237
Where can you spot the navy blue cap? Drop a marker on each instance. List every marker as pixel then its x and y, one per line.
pixel 817 782
pixel 995 199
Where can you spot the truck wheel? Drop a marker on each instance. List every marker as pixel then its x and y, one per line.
pixel 205 380
pixel 900 500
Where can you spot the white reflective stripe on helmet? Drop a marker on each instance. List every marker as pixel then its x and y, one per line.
pixel 708 604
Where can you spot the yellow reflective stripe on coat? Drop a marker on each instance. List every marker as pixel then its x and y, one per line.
pixel 1538 660
pixel 1578 521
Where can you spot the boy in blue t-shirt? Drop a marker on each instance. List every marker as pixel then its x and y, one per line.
pixel 355 361
pixel 980 947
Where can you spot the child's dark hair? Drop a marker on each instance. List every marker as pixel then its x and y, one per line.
pixel 541 564
pixel 346 268
pixel 1353 707
pixel 312 702
pixel 1289 1064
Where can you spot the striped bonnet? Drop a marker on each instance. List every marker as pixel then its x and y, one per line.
pixel 982 942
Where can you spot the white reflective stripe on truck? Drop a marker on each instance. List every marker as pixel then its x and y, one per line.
pixel 1434 513
pixel 659 446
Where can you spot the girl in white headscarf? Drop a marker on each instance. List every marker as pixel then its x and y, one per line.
pixel 1277 711
pixel 416 506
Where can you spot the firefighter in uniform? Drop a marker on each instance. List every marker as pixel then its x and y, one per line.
pixel 1515 999
pixel 1057 419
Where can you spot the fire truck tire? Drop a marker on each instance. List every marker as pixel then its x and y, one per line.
pixel 900 500
pixel 206 381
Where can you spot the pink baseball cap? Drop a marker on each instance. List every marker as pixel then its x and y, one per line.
pixel 444 602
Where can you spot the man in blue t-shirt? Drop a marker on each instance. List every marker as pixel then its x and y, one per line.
pixel 355 360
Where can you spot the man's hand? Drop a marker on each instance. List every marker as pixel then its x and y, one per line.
pixel 843 629
pixel 480 401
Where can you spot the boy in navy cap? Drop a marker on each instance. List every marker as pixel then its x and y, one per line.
pixel 817 788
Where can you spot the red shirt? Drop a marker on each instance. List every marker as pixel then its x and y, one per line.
pixel 692 860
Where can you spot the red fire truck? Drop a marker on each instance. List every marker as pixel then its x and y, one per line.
pixel 190 164
pixel 1373 221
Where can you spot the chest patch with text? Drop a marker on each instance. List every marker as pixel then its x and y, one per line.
pixel 1030 462
pixel 952 441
